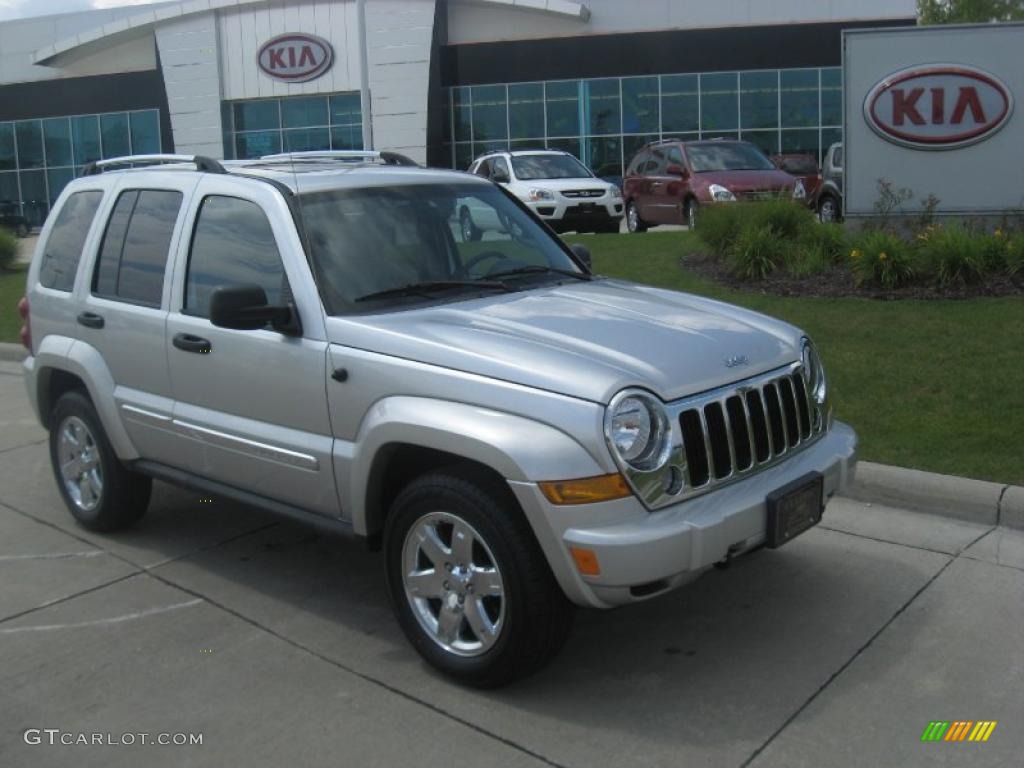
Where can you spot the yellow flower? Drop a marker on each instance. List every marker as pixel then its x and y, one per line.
pixel 883 256
pixel 854 254
pixel 923 236
pixel 999 233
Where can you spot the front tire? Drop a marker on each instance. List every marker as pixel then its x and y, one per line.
pixel 468 582
pixel 634 223
pixel 470 232
pixel 99 491
pixel 690 213
pixel 828 209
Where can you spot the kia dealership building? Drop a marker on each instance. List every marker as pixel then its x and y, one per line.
pixel 440 80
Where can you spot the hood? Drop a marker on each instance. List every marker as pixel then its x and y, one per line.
pixel 586 340
pixel 557 185
pixel 748 181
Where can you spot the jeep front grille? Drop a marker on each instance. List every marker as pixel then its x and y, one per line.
pixel 730 433
pixel 744 429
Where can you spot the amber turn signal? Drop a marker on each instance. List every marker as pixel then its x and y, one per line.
pixel 586 490
pixel 586 561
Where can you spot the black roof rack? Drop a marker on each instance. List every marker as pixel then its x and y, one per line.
pixel 201 162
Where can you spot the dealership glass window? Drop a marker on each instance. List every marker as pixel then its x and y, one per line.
pixel 8 160
pixel 604 157
pixel 145 132
pixel 29 134
pixel 56 180
pixel 562 102
pixel 832 96
pixel 759 100
pixel 525 110
pixel 798 95
pixel 490 113
pixel 9 187
pixel 801 141
pixel 640 110
pixel 680 103
pixel 463 114
pixel 602 105
pixel 294 124
pixel 768 141
pixel 718 102
pixel 572 146
pixel 57 140
pixel 829 136
pixel 114 134
pixel 85 138
pixel 34 199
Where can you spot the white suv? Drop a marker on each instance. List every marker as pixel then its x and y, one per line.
pixel 312 336
pixel 553 184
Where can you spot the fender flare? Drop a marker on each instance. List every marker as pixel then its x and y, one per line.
pixel 515 447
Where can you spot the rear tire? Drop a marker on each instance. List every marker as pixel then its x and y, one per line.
pixel 468 582
pixel 828 209
pixel 99 491
pixel 634 223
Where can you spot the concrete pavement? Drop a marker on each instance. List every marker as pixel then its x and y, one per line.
pixel 277 645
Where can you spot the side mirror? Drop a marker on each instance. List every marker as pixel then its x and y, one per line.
pixel 499 176
pixel 245 308
pixel 677 170
pixel 582 254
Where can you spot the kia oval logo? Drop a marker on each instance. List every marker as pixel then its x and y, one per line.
pixel 295 58
pixel 943 106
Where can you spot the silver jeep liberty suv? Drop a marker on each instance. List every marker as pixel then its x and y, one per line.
pixel 311 334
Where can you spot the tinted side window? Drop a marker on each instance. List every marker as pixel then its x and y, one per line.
pixel 64 247
pixel 638 163
pixel 675 156
pixel 484 169
pixel 233 244
pixel 133 257
pixel 500 164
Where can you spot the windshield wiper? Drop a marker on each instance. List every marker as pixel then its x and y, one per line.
pixel 430 286
pixel 538 269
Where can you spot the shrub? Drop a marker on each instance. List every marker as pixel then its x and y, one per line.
pixel 953 253
pixel 756 252
pixel 881 257
pixel 1014 254
pixel 827 240
pixel 785 218
pixel 720 225
pixel 8 248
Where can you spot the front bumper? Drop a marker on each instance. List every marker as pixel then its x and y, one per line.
pixel 643 553
pixel 564 214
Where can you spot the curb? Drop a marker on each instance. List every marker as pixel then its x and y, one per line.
pixel 12 352
pixel 975 501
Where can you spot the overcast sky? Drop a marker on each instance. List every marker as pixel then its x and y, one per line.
pixel 20 9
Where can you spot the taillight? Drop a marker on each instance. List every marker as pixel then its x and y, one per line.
pixel 26 329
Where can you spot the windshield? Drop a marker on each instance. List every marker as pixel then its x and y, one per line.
pixel 799 164
pixel 527 167
pixel 737 156
pixel 383 239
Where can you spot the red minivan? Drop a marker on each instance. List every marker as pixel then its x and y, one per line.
pixel 668 181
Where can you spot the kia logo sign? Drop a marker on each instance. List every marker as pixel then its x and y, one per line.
pixel 938 107
pixel 295 58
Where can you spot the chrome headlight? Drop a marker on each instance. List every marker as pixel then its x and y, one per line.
pixel 814 372
pixel 799 190
pixel 636 427
pixel 615 192
pixel 540 194
pixel 720 194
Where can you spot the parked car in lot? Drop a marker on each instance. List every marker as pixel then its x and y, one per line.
pixel 804 167
pixel 553 184
pixel 829 200
pixel 11 218
pixel 667 181
pixel 310 334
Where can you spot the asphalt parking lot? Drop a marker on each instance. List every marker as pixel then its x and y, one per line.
pixel 276 644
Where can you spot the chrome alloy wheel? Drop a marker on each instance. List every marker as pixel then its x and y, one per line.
pixel 632 218
pixel 80 466
pixel 453 584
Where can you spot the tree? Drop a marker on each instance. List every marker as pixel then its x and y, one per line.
pixel 969 11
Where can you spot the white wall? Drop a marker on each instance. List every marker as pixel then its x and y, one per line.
pixel 191 69
pixel 245 29
pixel 473 23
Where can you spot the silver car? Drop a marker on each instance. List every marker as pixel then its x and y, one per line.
pixel 313 335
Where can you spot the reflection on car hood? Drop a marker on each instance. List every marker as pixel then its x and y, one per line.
pixel 586 340
pixel 557 185
pixel 742 181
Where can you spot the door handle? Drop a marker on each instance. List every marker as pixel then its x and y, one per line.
pixel 90 320
pixel 189 343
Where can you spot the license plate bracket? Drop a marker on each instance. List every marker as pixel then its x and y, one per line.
pixel 794 508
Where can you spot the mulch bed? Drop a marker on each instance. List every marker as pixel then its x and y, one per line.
pixel 838 283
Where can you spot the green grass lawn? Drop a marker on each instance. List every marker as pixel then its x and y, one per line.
pixel 12 288
pixel 935 385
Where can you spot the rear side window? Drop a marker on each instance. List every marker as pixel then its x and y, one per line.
pixel 133 255
pixel 64 246
pixel 233 244
pixel 637 165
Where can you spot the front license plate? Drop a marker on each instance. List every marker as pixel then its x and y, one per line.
pixel 794 508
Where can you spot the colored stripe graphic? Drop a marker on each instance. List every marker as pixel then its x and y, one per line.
pixel 958 730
